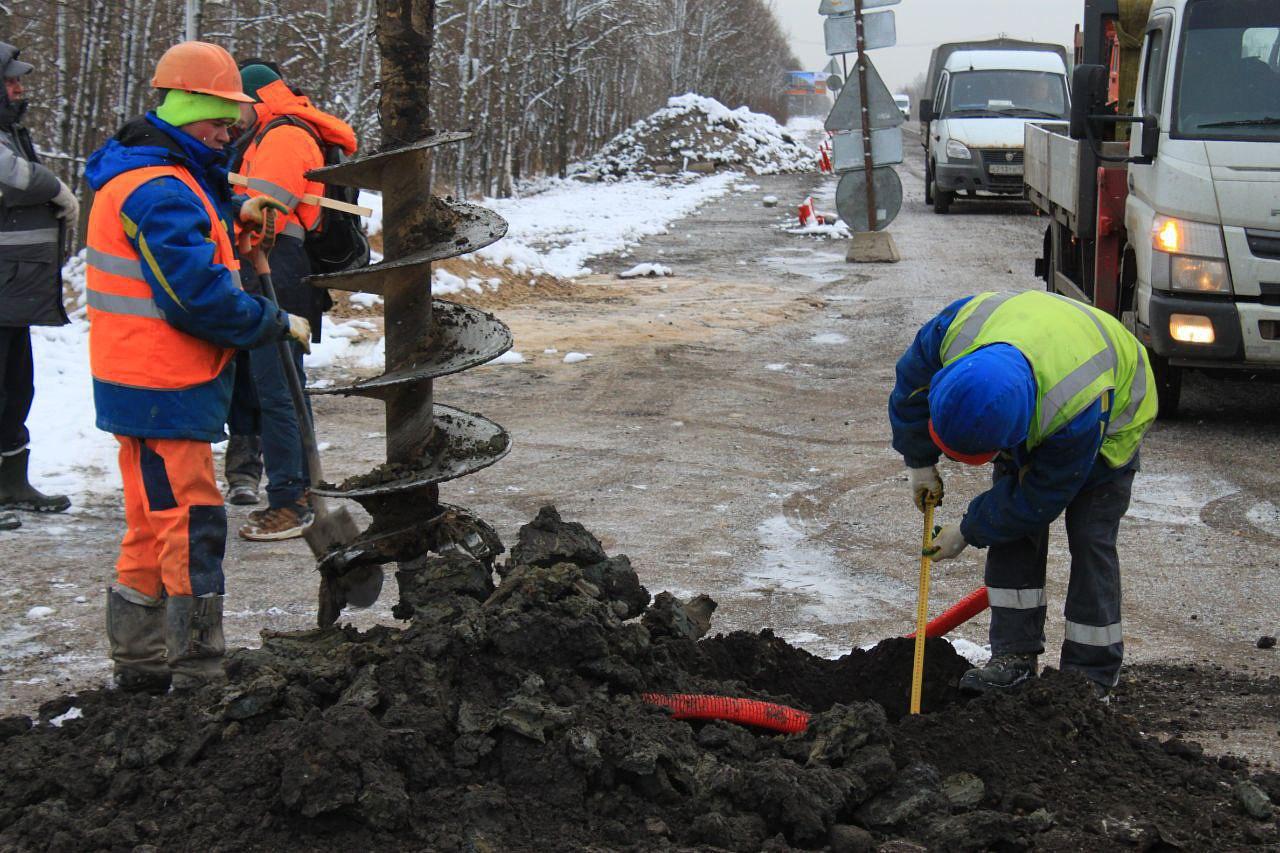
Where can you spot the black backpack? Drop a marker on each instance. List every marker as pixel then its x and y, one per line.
pixel 338 242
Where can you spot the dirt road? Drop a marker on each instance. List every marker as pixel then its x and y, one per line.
pixel 729 434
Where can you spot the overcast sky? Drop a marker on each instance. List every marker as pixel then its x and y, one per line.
pixel 923 24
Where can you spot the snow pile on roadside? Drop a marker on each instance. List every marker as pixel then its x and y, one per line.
pixel 701 133
pixel 558 226
pixel 836 230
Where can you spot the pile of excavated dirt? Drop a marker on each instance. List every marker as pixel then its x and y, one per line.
pixel 510 718
pixel 693 133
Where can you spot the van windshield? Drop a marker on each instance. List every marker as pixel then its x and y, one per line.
pixel 1228 84
pixel 1003 93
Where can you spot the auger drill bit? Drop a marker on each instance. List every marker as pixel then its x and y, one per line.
pixel 426 338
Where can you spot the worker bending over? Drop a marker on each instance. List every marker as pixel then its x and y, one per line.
pixel 166 314
pixel 1059 395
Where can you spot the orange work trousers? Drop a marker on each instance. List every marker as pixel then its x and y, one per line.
pixel 177 524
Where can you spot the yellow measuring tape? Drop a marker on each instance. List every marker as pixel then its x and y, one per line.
pixel 922 608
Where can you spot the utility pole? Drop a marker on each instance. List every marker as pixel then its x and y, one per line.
pixel 868 162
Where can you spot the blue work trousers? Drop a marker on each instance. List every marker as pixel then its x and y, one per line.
pixel 282 456
pixel 285 463
pixel 1015 578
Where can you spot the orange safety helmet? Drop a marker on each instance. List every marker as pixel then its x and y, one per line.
pixel 198 66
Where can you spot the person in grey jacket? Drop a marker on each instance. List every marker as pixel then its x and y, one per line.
pixel 34 208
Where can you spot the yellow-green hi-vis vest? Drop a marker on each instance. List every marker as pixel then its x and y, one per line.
pixel 1077 354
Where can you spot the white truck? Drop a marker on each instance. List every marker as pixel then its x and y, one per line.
pixel 973 124
pixel 1175 230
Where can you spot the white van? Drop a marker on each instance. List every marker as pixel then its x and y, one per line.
pixel 904 103
pixel 977 115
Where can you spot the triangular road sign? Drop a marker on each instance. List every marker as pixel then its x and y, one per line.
pixel 847 112
pixel 833 67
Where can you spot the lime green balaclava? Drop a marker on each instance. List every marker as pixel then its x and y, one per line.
pixel 181 108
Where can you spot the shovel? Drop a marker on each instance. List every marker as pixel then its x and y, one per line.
pixel 332 528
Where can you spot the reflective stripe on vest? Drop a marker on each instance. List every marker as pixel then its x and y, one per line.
pixel 130 342
pixel 276 191
pixel 295 221
pixel 1139 394
pixel 1064 396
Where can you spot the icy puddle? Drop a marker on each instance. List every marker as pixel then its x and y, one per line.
pixel 808 572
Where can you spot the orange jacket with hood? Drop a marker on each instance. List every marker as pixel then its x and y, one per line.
pixel 275 162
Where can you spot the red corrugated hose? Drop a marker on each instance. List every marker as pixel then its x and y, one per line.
pixel 749 712
pixel 959 613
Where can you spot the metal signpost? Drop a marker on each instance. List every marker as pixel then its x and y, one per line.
pixel 870 193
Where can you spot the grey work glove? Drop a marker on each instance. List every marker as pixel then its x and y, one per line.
pixel 300 331
pixel 925 482
pixel 66 203
pixel 947 543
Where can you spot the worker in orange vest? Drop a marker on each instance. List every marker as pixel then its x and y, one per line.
pixel 166 315
pixel 284 139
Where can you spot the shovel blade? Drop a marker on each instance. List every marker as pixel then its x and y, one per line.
pixel 330 529
pixel 363 585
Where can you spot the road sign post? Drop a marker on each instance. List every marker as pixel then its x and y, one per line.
pixel 870 194
pixel 872 245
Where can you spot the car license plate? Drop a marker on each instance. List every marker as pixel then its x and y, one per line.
pixel 1005 168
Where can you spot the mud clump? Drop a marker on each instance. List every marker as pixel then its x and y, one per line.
pixel 508 717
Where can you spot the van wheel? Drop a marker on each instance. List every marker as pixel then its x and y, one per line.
pixel 928 184
pixel 942 199
pixel 1168 385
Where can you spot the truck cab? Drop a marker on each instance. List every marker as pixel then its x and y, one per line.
pixel 1203 216
pixel 982 102
pixel 1174 227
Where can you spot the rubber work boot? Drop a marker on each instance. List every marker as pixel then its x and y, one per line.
pixel 193 634
pixel 135 631
pixel 1002 672
pixel 17 493
pixel 9 521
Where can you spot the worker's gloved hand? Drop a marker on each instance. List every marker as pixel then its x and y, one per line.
pixel 251 210
pixel 924 483
pixel 300 331
pixel 68 207
pixel 947 543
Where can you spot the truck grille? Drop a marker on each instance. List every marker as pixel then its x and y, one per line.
pixel 1001 158
pixel 1264 244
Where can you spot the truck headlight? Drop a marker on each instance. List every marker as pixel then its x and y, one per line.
pixel 1199 275
pixel 1181 237
pixel 957 150
pixel 1191 328
pixel 1190 257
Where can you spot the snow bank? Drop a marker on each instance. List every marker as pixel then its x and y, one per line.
pixel 557 226
pixel 692 131
pixel 558 230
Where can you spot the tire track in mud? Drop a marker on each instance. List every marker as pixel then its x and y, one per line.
pixel 1242 514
